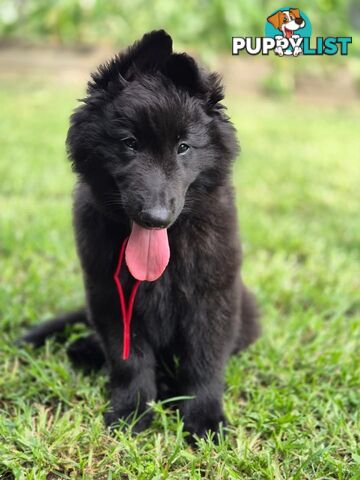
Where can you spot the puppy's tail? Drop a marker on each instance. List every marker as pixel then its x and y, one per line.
pixel 38 334
pixel 250 327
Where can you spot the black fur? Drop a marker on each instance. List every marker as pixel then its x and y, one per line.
pixel 38 334
pixel 198 312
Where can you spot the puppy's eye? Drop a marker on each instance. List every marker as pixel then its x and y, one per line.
pixel 182 149
pixel 131 143
pixel 285 20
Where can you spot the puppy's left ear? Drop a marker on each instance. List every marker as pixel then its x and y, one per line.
pixel 215 91
pixel 185 73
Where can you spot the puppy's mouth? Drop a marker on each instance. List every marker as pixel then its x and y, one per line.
pixel 288 32
pixel 147 252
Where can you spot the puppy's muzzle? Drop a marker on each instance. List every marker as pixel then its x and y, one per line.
pixel 157 217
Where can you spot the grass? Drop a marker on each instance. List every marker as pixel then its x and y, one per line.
pixel 292 400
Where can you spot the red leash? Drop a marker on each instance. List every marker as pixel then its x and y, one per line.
pixel 126 310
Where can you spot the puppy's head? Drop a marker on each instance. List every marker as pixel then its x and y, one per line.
pixel 287 21
pixel 150 130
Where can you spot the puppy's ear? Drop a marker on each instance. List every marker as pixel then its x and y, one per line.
pixel 184 73
pixel 148 54
pixel 151 52
pixel 275 20
pixel 295 12
pixel 215 92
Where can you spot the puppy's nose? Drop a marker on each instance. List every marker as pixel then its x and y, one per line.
pixel 299 20
pixel 157 217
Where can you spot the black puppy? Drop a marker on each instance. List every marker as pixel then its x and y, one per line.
pixel 153 150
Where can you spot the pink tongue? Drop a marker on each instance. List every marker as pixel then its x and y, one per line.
pixel 147 253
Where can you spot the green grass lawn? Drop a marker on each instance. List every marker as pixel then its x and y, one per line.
pixel 292 400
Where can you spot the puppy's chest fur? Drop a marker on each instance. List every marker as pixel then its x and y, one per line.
pixel 203 265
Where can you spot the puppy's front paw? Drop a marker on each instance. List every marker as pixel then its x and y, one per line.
pixel 201 421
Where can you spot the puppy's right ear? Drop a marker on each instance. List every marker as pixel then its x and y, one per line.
pixel 148 54
pixel 151 52
pixel 275 20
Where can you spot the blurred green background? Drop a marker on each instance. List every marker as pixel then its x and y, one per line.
pixel 204 26
pixel 292 400
pixel 207 24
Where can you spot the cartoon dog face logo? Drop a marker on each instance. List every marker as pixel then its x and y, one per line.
pixel 287 21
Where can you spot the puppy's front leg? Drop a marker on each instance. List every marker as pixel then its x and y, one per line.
pixel 278 50
pixel 297 49
pixel 205 350
pixel 204 382
pixel 132 381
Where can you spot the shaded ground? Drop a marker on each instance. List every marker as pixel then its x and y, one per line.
pixel 242 75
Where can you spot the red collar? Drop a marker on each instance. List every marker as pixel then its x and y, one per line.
pixel 126 310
